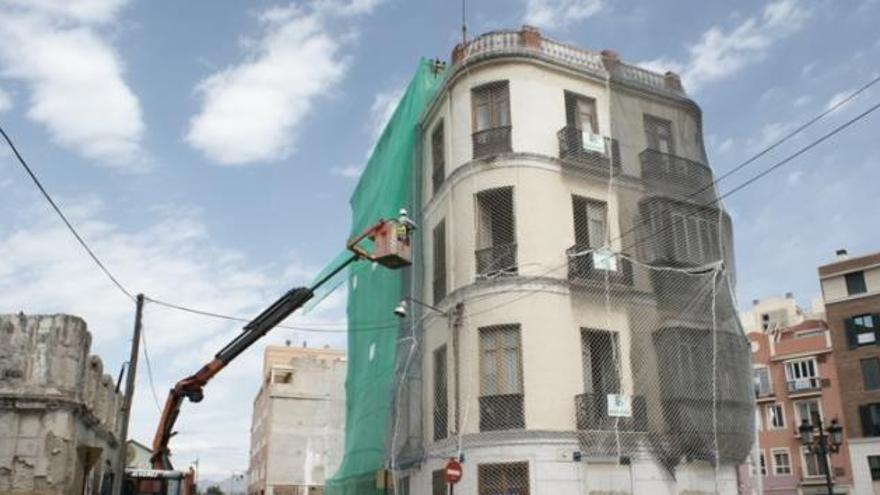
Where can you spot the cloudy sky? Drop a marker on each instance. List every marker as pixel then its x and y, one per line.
pixel 207 151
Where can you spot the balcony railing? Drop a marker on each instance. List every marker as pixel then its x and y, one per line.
pixel 501 412
pixel 682 177
pixel 804 385
pixel 591 412
pixel 530 42
pixel 575 148
pixel 581 267
pixel 496 260
pixel 763 392
pixel 492 141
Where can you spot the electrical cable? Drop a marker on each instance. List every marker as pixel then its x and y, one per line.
pixel 64 219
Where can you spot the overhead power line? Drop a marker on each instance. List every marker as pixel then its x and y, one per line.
pixel 64 219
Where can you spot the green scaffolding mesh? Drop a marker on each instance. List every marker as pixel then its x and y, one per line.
pixel 384 187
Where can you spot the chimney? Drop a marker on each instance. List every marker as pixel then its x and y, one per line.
pixel 287 343
pixel 610 59
pixel 672 81
pixel 789 295
pixel 305 344
pixel 755 302
pixel 530 37
pixel 841 254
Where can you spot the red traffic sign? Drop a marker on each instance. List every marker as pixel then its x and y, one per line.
pixel 452 471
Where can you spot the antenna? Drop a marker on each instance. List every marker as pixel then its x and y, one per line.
pixel 464 21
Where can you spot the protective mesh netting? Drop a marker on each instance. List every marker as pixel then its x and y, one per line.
pixel 655 370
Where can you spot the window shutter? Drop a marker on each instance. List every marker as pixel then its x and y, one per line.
pixel 570 109
pixel 876 320
pixel 852 341
pixel 865 416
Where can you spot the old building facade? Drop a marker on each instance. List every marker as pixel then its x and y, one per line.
pixel 298 421
pixel 582 270
pixel 851 292
pixel 59 411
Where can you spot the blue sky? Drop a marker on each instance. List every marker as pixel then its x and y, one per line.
pixel 207 151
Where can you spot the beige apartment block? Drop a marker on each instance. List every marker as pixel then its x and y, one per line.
pixel 297 429
pixel 583 272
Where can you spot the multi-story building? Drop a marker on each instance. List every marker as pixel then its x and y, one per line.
pixel 298 421
pixel 573 241
pixel 795 379
pixel 851 292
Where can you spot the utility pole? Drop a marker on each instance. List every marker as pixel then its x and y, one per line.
pixel 129 395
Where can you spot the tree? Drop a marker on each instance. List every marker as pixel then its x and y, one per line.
pixel 214 490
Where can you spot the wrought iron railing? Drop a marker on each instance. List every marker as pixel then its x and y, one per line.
pixel 497 260
pixel 492 141
pixel 591 412
pixel 685 178
pixel 804 385
pixel 502 412
pixel 582 266
pixel 573 148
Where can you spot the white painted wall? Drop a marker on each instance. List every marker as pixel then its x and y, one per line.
pixel 859 450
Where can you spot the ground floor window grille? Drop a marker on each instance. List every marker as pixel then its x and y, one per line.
pixel 504 479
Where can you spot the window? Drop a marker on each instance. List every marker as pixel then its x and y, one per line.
pixel 809 410
pixel 781 461
pixel 763 386
pixel 759 420
pixel 658 134
pixel 496 234
pixel 404 486
pixel 581 112
pixel 871 373
pixel 589 222
pixel 870 416
pixel 763 464
pixel 695 238
pixel 438 483
pixel 441 397
pixel 491 119
pixel 503 479
pixel 802 374
pixel 601 352
pixel 855 283
pixel 874 466
pixel 501 400
pixel 439 261
pixel 774 320
pixel 813 464
pixel 500 359
pixel 775 417
pixel 861 330
pixel 438 160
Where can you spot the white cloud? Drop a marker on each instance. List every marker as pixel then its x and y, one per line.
pixel 559 13
pixel 173 257
pixel 347 172
pixel 802 100
pixel 838 98
pixel 251 112
pixel 5 101
pixel 382 109
pixel 75 77
pixel 721 53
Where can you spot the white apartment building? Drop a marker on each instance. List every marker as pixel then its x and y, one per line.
pixel 574 246
pixel 298 422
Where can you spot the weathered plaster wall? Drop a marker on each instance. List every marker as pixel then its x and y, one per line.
pixel 58 410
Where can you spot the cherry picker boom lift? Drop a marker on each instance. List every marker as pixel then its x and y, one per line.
pixel 391 248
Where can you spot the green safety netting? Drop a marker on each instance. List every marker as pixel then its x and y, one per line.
pixel 384 187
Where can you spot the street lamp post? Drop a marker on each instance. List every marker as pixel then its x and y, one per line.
pixel 826 443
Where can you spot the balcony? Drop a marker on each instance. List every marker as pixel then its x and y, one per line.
pixel 591 413
pixel 489 142
pixel 588 151
pixel 529 43
pixel 677 176
pixel 496 260
pixel 763 392
pixel 804 385
pixel 582 269
pixel 501 412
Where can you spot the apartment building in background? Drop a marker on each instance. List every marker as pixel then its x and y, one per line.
pixel 298 421
pixel 567 176
pixel 851 293
pixel 795 379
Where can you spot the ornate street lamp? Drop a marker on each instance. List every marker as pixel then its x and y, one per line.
pixel 822 445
